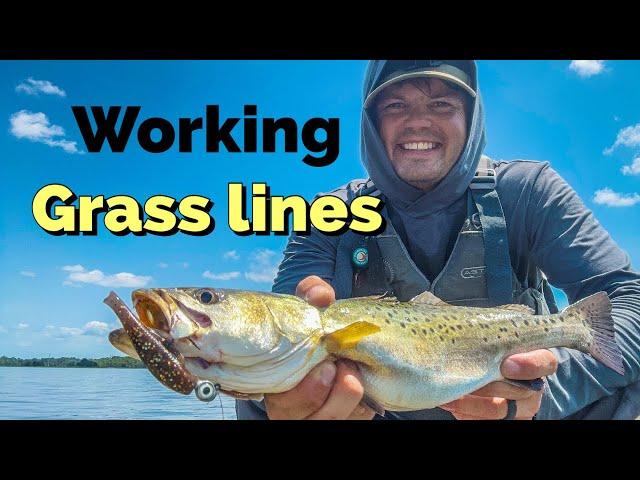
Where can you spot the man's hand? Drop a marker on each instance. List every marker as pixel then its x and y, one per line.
pixel 331 391
pixel 490 402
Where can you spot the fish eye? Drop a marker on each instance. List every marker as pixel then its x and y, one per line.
pixel 207 297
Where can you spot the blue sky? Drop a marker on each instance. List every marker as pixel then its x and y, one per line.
pixel 582 116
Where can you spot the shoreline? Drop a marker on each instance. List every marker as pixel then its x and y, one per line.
pixel 72 362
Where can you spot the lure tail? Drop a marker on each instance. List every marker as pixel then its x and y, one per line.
pixel 162 361
pixel 596 311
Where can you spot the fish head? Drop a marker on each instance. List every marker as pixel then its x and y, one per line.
pixel 228 336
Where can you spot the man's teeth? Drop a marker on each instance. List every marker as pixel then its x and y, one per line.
pixel 419 146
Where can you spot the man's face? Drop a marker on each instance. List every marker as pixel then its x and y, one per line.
pixel 423 125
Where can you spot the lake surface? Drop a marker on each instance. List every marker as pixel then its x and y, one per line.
pixel 99 393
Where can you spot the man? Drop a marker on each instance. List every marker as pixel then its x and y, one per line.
pixel 473 232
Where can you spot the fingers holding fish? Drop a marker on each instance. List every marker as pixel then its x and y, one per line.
pixel 343 403
pixel 304 399
pixel 362 412
pixel 504 390
pixel 491 401
pixel 472 407
pixel 530 365
pixel 490 408
pixel 316 291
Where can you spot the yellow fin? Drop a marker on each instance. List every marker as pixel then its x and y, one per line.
pixel 516 307
pixel 428 298
pixel 348 337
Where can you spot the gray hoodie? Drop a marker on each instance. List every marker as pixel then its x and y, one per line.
pixel 548 225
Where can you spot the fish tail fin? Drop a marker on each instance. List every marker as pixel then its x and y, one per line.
pixel 596 311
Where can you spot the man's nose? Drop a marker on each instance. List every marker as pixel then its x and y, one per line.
pixel 419 116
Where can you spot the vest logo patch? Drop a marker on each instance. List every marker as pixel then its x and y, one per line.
pixel 472 272
pixel 360 257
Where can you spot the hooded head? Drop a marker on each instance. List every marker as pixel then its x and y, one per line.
pixel 416 181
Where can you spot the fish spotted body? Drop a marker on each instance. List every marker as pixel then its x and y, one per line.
pixel 412 355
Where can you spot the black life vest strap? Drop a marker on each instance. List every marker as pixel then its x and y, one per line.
pixel 494 231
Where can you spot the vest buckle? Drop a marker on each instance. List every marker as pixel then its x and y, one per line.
pixel 484 180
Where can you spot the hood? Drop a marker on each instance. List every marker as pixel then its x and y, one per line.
pixel 405 197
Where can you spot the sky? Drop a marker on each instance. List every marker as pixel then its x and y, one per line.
pixel 582 116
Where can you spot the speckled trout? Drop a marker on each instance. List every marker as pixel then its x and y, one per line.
pixel 412 355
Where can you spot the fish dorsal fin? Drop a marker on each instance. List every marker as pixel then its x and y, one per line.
pixel 428 298
pixel 349 336
pixel 516 307
pixel 378 298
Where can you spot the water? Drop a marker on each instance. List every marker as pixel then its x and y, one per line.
pixel 98 393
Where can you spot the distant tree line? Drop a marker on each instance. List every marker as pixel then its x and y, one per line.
pixel 72 362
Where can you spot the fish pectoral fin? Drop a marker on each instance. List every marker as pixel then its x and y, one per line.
pixel 516 307
pixel 348 337
pixel 428 298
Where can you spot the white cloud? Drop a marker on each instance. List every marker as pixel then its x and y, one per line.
pixel 263 268
pixel 93 328
pixel 231 255
pixel 587 68
pixel 608 197
pixel 67 332
pixel 221 276
pixel 37 128
pixel 22 326
pixel 163 265
pixel 78 274
pixel 34 87
pixel 28 273
pixel 260 277
pixel 33 126
pixel 628 137
pixel 73 268
pixel 633 169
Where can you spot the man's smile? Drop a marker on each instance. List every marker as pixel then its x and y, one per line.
pixel 422 151
pixel 422 146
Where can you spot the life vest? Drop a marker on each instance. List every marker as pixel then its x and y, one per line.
pixel 478 272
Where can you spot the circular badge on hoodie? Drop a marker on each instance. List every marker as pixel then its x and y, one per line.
pixel 360 257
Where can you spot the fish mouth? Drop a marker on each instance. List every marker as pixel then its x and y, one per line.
pixel 154 308
pixel 162 311
pixel 150 340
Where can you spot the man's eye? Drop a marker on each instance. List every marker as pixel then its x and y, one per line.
pixel 441 105
pixel 393 106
